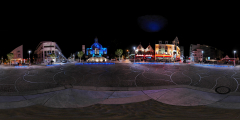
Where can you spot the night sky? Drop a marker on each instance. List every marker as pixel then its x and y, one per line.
pixel 213 24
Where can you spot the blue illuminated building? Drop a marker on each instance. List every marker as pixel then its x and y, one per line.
pixel 96 50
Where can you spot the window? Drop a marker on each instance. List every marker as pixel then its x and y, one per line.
pixel 18 55
pixel 166 47
pixel 159 47
pixel 48 46
pixel 166 42
pixel 18 51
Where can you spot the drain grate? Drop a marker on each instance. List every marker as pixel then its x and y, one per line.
pixel 222 90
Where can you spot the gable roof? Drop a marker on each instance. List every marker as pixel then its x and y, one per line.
pixel 149 48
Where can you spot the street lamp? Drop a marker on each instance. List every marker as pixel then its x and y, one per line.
pixel 234 57
pixel 202 57
pixel 134 54
pixel 29 56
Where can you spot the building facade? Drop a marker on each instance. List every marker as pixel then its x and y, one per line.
pixel 209 52
pixel 96 50
pixel 96 53
pixel 141 53
pixel 18 55
pixel 182 53
pixel 45 49
pixel 167 51
pixel 197 55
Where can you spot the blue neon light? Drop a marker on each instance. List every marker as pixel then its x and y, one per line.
pixel 20 66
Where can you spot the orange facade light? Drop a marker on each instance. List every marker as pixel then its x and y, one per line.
pixel 163 56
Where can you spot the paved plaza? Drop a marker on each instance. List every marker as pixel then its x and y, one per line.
pixel 72 86
pixel 117 75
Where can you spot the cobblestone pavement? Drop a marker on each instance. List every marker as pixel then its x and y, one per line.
pixel 117 75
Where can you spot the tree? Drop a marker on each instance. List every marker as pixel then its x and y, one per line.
pixel 53 56
pixel 10 56
pixel 119 53
pixel 80 54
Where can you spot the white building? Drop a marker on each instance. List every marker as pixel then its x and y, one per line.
pixel 44 49
pixel 197 55
pixel 209 52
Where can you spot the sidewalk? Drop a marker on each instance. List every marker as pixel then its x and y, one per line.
pixel 82 96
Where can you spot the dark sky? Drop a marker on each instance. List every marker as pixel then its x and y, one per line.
pixel 214 24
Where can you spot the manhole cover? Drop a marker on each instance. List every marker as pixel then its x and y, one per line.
pixel 222 90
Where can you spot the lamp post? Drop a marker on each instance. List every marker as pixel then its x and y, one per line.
pixel 29 56
pixel 234 58
pixel 134 54
pixel 202 57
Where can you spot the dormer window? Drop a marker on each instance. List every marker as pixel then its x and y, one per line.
pixel 160 42
pixel 166 42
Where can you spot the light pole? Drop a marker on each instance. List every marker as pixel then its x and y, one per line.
pixel 202 57
pixel 234 58
pixel 29 56
pixel 134 54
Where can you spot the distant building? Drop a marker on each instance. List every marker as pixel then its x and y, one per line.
pixel 167 51
pixel 142 53
pixel 209 52
pixel 18 55
pixel 96 50
pixel 45 49
pixel 96 53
